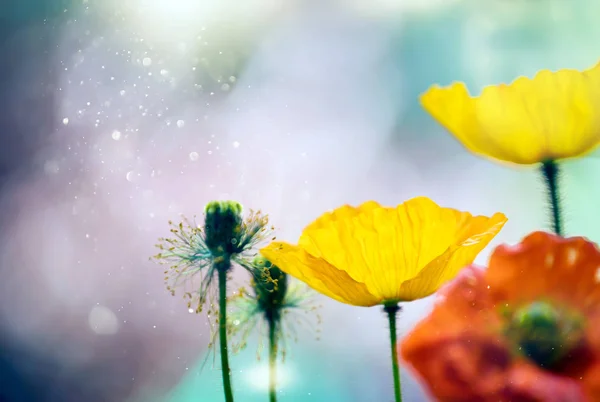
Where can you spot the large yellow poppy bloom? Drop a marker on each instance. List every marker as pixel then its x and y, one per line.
pixel 371 255
pixel 555 115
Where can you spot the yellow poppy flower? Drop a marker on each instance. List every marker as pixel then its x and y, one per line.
pixel 555 115
pixel 371 254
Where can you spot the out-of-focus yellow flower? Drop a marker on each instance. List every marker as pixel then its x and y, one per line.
pixel 371 255
pixel 555 115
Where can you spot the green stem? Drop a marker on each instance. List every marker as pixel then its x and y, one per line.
pixel 222 271
pixel 272 360
pixel 551 173
pixel 392 311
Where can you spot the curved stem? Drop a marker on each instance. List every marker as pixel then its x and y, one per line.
pixel 392 311
pixel 551 173
pixel 222 272
pixel 272 360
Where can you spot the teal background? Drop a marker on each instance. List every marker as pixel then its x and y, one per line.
pixel 291 108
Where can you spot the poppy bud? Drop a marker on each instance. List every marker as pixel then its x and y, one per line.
pixel 270 286
pixel 223 227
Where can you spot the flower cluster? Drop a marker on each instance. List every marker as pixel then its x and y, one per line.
pixel 200 259
pixel 527 329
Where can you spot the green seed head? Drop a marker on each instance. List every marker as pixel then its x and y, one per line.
pixel 223 227
pixel 544 334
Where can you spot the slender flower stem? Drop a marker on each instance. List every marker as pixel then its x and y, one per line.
pixel 222 272
pixel 272 360
pixel 392 311
pixel 551 173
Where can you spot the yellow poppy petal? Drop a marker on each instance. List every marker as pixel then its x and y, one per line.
pixel 319 274
pixel 342 213
pixel 454 108
pixel 336 237
pixel 472 238
pixel 555 115
pixel 384 247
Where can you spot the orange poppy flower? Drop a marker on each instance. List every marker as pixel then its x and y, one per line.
pixel 525 330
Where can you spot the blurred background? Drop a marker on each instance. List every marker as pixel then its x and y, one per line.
pixel 118 115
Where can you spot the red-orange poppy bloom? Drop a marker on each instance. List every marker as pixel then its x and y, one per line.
pixel 527 329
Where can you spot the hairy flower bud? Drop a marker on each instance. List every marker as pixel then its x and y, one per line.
pixel 270 286
pixel 223 227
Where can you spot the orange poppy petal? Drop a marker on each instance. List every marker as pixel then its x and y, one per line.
pixel 529 383
pixel 562 269
pixel 457 349
pixel 319 274
pixel 463 368
pixel 593 330
pixel 462 305
pixel 591 381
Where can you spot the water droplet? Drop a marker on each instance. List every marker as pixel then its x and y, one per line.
pixel 210 152
pixel 147 61
pixel 236 144
pixel 129 175
pixel 180 123
pixel 66 121
pixel 51 167
pixel 164 72
pixel 116 135
pixel 122 92
pixel 194 156
pixel 103 321
pixel 225 87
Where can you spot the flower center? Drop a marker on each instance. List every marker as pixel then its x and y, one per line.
pixel 545 334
